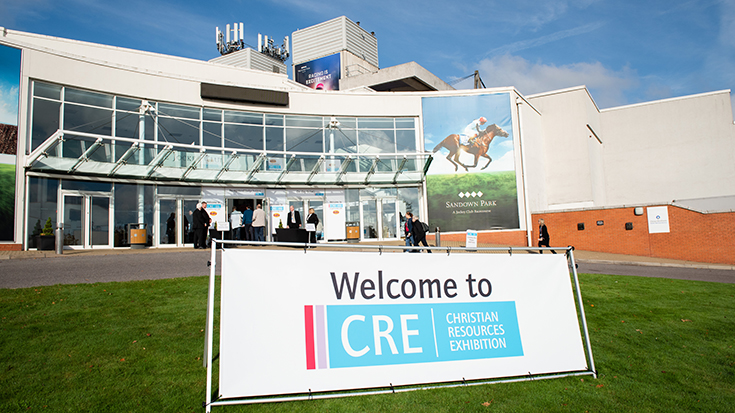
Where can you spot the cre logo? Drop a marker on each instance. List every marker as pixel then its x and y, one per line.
pixel 340 336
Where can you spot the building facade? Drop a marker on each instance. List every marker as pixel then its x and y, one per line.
pixel 112 139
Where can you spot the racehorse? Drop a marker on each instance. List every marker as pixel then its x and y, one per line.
pixel 478 148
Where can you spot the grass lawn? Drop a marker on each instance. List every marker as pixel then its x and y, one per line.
pixel 659 346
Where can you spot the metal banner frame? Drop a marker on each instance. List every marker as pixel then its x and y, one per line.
pixel 212 400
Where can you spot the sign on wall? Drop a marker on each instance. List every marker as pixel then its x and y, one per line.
pixel 324 321
pixel 472 179
pixel 319 74
pixel 9 87
pixel 658 219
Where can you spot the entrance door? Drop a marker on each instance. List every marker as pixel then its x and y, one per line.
pixel 86 219
pixel 318 206
pixel 389 218
pixel 369 214
pixel 175 219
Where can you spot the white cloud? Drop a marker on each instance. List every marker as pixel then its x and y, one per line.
pixel 608 85
pixel 9 105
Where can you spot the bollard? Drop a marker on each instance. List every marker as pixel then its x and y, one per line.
pixel 60 238
pixel 438 237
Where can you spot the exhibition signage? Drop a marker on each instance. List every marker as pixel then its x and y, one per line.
pixel 295 322
pixel 658 219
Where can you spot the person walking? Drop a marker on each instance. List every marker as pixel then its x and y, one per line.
pixel 419 234
pixel 259 223
pixel 408 229
pixel 543 236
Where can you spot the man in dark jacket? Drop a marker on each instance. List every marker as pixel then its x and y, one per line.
pixel 201 223
pixel 419 235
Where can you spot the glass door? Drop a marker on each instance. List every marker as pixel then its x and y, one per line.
pixel 318 206
pixel 186 228
pixel 73 220
pixel 389 219
pixel 175 221
pixel 167 233
pixel 369 215
pixel 99 220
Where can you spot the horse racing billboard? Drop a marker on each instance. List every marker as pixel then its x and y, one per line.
pixel 471 183
pixel 293 322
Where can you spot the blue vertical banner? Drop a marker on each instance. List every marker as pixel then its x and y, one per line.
pixel 9 89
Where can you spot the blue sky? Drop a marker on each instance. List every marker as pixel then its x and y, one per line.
pixel 624 51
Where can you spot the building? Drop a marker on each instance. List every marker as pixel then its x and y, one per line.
pixel 112 139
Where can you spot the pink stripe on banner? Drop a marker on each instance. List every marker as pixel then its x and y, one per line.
pixel 309 329
pixel 321 338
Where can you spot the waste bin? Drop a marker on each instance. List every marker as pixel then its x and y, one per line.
pixel 138 235
pixel 353 231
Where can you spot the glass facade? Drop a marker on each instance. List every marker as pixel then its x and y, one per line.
pixel 111 137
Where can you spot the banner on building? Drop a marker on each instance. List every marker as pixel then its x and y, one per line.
pixel 658 219
pixel 295 322
pixel 9 87
pixel 319 74
pixel 472 179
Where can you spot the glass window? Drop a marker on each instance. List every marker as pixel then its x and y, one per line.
pixel 87 119
pixel 244 117
pixel 179 190
pixel 178 111
pixel 346 123
pixel 132 105
pixel 42 205
pixel 304 121
pixel 126 125
pixel 87 98
pixel 352 202
pixel 243 137
pixel 212 134
pixel 212 114
pixel 377 141
pixel 47 90
pixel 304 140
pixel 405 123
pixel 345 140
pixel 273 120
pixel 86 185
pixel 375 123
pixel 178 130
pixel 133 205
pixel 45 121
pixel 274 139
pixel 405 140
pixel 410 198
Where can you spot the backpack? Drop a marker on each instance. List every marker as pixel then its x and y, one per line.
pixel 425 226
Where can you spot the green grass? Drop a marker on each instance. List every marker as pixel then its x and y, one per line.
pixel 659 346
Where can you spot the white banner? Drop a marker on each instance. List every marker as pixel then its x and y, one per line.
pixel 658 219
pixel 295 322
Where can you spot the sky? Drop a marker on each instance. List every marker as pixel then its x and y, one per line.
pixel 624 51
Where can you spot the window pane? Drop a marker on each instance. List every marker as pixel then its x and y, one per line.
pixel 126 125
pixel 304 121
pixel 377 141
pixel 274 139
pixel 212 114
pixel 86 186
pixel 179 190
pixel 45 120
pixel 87 98
pixel 347 123
pixel 274 120
pixel 131 105
pixel 178 111
pixel 178 130
pixel 86 119
pixel 405 123
pixel 345 141
pixel 46 90
pixel 133 205
pixel 41 206
pixel 243 137
pixel 375 123
pixel 212 134
pixel 244 117
pixel 405 141
pixel 304 140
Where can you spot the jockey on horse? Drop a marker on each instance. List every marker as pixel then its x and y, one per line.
pixel 471 131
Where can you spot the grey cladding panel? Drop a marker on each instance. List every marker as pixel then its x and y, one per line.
pixel 244 94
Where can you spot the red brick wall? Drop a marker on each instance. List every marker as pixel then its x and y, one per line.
pixel 694 236
pixel 11 247
pixel 512 238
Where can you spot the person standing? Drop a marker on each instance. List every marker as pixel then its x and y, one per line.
pixel 247 220
pixel 543 236
pixel 408 229
pixel 419 235
pixel 293 219
pixel 258 223
pixel 235 223
pixel 312 218
pixel 201 223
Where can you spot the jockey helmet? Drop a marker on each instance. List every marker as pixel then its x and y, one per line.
pixel 482 119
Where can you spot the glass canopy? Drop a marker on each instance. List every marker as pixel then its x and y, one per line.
pixel 80 153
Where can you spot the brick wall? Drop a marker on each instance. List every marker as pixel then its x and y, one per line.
pixel 11 247
pixel 512 238
pixel 694 236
